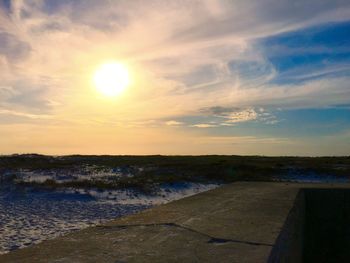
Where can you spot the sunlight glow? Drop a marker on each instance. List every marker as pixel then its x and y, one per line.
pixel 111 78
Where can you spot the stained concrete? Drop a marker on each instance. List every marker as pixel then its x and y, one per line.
pixel 240 222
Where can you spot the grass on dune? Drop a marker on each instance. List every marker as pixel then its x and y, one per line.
pixel 171 169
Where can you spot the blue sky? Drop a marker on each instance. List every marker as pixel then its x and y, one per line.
pixel 324 50
pixel 309 54
pixel 207 77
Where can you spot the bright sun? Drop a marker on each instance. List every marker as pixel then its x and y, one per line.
pixel 111 78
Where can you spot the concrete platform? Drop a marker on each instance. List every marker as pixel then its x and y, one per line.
pixel 240 222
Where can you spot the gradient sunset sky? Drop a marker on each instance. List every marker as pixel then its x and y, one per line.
pixel 256 77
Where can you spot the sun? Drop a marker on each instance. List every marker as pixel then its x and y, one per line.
pixel 111 78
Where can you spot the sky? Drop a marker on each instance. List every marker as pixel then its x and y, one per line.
pixel 259 77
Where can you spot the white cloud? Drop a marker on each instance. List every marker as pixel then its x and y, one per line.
pixel 173 123
pixel 204 125
pixel 24 114
pixel 233 115
pixel 241 116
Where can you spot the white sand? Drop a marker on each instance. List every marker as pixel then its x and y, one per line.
pixel 29 216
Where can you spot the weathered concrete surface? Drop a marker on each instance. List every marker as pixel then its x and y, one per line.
pixel 240 222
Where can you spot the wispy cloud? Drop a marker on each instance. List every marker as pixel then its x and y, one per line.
pixel 232 115
pixel 245 140
pixel 204 125
pixel 173 123
pixel 241 115
pixel 207 55
pixel 24 114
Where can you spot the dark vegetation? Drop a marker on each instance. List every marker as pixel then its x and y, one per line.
pixel 170 169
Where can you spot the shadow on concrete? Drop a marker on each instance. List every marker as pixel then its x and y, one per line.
pixel 317 228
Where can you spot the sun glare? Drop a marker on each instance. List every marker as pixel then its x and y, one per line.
pixel 111 79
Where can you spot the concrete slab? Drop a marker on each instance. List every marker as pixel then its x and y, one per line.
pixel 240 222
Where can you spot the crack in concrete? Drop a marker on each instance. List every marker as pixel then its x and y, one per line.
pixel 211 239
